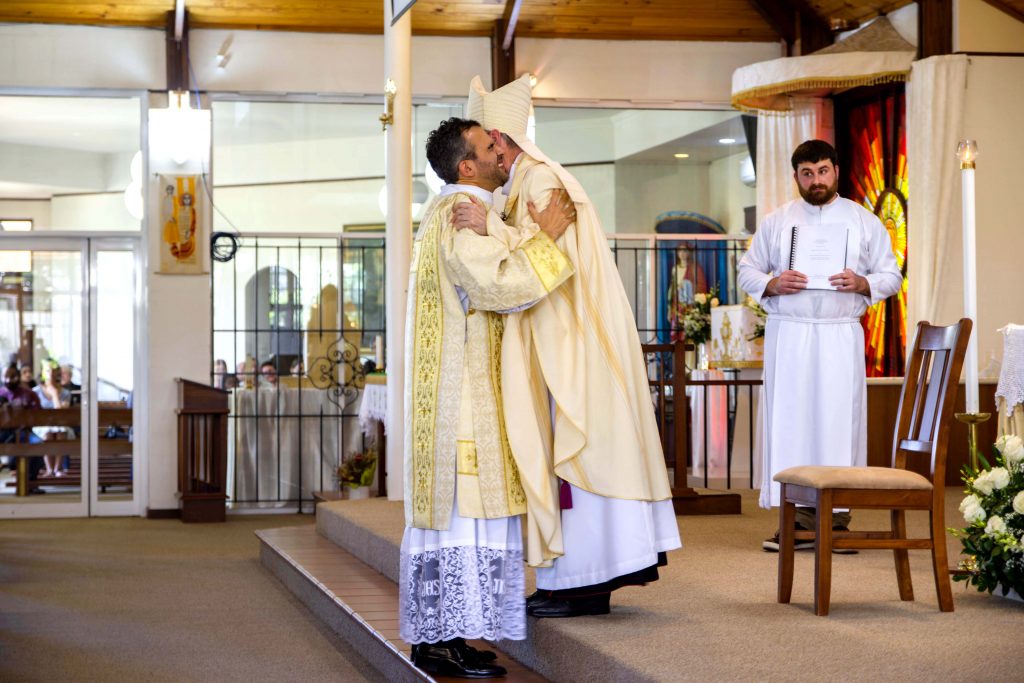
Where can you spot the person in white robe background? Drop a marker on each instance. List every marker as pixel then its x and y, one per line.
pixel 577 403
pixel 461 561
pixel 814 410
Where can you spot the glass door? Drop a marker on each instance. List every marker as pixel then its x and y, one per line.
pixel 44 332
pixel 68 343
pixel 114 293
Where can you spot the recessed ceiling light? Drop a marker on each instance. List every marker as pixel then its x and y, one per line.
pixel 681 155
pixel 726 141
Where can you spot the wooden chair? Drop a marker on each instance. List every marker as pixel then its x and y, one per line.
pixel 922 429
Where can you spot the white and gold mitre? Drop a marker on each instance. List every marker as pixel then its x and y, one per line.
pixel 507 108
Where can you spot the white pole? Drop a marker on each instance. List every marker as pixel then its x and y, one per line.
pixel 970 285
pixel 398 233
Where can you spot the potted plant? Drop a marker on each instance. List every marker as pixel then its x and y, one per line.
pixel 694 320
pixel 994 512
pixel 355 474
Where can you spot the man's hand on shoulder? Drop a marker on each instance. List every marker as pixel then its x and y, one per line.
pixel 557 216
pixel 472 215
pixel 789 282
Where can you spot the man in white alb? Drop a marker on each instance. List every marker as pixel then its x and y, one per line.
pixel 577 401
pixel 814 410
pixel 461 563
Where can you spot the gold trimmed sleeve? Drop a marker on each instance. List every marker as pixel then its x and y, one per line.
pixel 500 278
pixel 548 261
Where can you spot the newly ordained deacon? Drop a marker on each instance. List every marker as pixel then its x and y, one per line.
pixel 461 557
pixel 814 410
pixel 577 400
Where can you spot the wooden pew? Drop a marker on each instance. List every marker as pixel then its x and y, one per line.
pixel 115 455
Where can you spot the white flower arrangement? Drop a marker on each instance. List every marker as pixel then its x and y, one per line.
pixel 994 512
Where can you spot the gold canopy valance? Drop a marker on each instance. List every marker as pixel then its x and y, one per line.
pixel 876 54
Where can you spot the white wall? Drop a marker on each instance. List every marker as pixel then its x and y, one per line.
pixel 300 207
pixel 106 211
pixel 980 27
pixel 178 311
pixel 728 194
pixel 645 190
pixel 58 56
pixel 282 62
pixel 599 182
pixel 999 202
pixel 651 73
pixel 36 209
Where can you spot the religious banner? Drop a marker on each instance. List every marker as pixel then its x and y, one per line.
pixel 182 225
pixel 871 131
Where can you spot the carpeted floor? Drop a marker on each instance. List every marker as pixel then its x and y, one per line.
pixel 714 615
pixel 130 599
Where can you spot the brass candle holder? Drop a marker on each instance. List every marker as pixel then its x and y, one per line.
pixel 972 420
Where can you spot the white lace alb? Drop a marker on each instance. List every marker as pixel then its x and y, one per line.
pixel 462 592
pixel 1011 375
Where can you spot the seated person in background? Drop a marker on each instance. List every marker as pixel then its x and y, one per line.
pixel 221 378
pixel 298 368
pixel 17 396
pixel 27 380
pixel 67 381
pixel 53 395
pixel 268 373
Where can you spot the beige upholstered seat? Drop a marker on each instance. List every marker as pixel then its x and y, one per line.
pixel 922 431
pixel 829 477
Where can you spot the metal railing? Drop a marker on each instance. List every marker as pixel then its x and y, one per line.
pixel 274 303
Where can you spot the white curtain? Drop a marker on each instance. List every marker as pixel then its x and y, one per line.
pixel 778 134
pixel 935 114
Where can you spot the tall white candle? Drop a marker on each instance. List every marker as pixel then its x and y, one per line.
pixel 967 152
pixel 378 352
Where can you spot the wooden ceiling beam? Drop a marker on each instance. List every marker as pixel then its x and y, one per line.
pixel 781 17
pixel 934 27
pixel 815 31
pixel 177 52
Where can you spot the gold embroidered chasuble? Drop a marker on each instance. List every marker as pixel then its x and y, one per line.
pixel 581 345
pixel 457 437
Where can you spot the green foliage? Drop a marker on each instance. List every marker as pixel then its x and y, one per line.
pixel 358 469
pixel 695 318
pixel 994 513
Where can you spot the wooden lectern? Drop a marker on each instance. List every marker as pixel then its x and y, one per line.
pixel 672 411
pixel 202 451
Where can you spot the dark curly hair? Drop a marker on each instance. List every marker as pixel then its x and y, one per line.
pixel 447 146
pixel 813 151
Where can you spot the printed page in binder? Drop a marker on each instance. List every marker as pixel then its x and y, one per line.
pixel 819 252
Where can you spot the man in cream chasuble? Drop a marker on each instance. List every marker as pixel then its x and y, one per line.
pixel 577 401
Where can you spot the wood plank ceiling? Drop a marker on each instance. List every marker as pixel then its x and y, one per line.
pixel 728 20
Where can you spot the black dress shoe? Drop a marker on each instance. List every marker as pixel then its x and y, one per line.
pixel 554 607
pixel 448 659
pixel 538 597
pixel 484 656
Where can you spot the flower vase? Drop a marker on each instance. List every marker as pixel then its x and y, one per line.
pixel 702 361
pixel 1012 595
pixel 757 349
pixel 358 492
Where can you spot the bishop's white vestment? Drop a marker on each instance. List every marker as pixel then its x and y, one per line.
pixel 814 407
pixel 578 407
pixel 461 564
